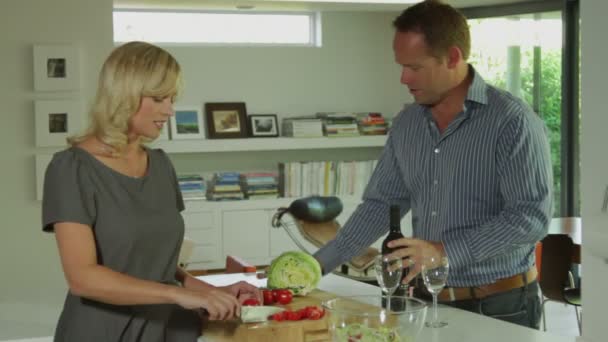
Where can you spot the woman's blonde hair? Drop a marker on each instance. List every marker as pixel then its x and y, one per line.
pixel 132 71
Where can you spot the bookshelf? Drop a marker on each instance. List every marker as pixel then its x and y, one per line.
pixel 268 144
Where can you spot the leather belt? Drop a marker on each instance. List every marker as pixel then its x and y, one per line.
pixel 451 294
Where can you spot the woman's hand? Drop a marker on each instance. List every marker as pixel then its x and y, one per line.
pixel 219 304
pixel 243 290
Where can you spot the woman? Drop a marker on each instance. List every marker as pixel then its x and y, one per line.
pixel 114 206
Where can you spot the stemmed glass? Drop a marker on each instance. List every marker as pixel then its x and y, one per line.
pixel 388 273
pixel 435 274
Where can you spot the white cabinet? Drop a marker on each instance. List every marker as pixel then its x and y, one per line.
pixel 245 233
pixel 202 227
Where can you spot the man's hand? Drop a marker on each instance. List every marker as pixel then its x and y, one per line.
pixel 243 290
pixel 415 253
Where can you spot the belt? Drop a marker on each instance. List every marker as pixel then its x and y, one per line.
pixel 451 294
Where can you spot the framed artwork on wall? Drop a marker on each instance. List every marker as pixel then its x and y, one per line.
pixel 56 68
pixel 226 120
pixel 263 125
pixel 187 123
pixel 55 120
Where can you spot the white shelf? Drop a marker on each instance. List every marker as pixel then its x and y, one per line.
pixel 256 203
pixel 267 144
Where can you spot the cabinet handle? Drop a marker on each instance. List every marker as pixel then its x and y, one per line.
pixel 605 205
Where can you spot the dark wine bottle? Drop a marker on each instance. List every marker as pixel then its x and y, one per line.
pixel 395 229
pixel 394 234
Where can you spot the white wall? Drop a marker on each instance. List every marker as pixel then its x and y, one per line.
pixel 353 71
pixel 594 161
pixel 31 283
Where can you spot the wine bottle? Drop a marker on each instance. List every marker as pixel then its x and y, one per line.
pixel 394 234
pixel 395 229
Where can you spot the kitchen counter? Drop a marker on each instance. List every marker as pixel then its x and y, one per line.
pixel 463 326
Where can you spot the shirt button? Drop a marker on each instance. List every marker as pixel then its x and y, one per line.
pixel 435 182
pixel 433 213
pixel 436 150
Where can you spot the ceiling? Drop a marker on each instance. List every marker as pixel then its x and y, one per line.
pixel 323 5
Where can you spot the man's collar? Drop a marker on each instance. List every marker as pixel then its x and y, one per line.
pixel 478 88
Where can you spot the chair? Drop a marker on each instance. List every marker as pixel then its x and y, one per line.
pixel 314 218
pixel 557 283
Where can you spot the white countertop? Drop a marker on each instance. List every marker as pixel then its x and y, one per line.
pixel 462 326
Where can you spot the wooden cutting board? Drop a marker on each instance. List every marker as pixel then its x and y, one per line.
pixel 292 331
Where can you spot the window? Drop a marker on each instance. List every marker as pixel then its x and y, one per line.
pixel 196 27
pixel 523 54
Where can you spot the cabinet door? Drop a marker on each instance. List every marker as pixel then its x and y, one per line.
pixel 201 228
pixel 245 233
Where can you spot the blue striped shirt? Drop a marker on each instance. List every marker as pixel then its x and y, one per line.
pixel 483 187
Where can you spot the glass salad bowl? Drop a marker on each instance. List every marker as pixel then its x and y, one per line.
pixel 363 318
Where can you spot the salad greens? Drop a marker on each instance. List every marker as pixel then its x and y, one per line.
pixel 363 333
pixel 295 270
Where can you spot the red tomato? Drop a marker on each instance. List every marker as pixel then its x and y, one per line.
pixel 277 316
pixel 268 298
pixel 293 315
pixel 315 313
pixel 277 292
pixel 284 297
pixel 251 302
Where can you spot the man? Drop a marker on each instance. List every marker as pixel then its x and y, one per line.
pixel 471 162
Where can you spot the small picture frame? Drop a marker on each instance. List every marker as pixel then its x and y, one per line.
pixel 226 120
pixel 263 125
pixel 56 120
pixel 42 161
pixel 56 68
pixel 187 123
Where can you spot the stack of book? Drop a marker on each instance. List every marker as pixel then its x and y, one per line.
pixel 192 186
pixel 259 185
pixel 225 186
pixel 302 127
pixel 372 124
pixel 339 124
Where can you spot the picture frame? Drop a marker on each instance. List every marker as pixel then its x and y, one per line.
pixel 263 125
pixel 56 120
pixel 42 162
pixel 226 120
pixel 187 123
pixel 56 67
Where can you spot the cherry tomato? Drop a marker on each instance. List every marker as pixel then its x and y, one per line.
pixel 284 297
pixel 268 298
pixel 315 314
pixel 251 302
pixel 277 292
pixel 293 315
pixel 277 316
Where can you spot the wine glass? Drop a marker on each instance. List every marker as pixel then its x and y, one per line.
pixel 388 273
pixel 435 274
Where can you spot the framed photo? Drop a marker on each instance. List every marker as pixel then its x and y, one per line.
pixel 56 68
pixel 226 120
pixel 263 125
pixel 187 123
pixel 56 120
pixel 42 161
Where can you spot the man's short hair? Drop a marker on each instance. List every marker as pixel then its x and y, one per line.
pixel 442 25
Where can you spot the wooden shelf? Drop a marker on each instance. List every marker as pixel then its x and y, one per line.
pixel 267 144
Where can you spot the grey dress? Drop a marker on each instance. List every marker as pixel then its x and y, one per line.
pixel 138 231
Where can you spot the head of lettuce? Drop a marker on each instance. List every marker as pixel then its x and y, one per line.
pixel 298 271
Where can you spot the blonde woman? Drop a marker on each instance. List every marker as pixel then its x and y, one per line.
pixel 114 206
